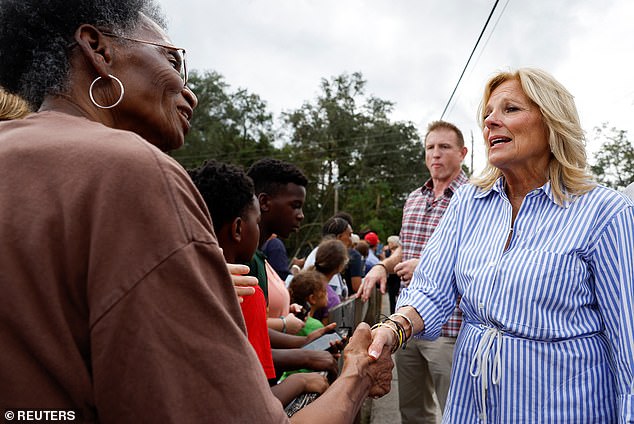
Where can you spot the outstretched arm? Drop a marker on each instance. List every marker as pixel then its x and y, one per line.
pixel 296 384
pixel 378 275
pixel 360 377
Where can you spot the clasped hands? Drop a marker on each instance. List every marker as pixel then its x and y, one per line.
pixel 376 368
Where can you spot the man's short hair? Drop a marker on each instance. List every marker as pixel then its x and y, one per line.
pixel 226 189
pixel 437 125
pixel 269 175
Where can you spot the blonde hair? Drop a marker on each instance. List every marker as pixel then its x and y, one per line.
pixel 12 106
pixel 567 170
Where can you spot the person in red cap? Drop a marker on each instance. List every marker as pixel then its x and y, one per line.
pixel 373 241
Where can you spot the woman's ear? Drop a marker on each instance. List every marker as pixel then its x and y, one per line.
pixel 95 47
pixel 236 229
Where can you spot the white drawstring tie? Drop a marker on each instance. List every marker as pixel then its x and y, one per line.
pixel 480 364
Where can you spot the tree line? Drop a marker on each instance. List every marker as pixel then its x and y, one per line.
pixel 355 156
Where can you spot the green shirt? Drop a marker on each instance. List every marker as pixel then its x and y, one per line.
pixel 310 325
pixel 257 269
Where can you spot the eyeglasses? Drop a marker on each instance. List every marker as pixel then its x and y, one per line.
pixel 180 64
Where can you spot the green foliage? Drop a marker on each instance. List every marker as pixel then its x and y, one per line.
pixel 344 141
pixel 355 156
pixel 229 126
pixel 614 163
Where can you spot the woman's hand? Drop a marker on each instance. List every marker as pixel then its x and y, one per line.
pixel 243 284
pixel 379 370
pixel 382 338
pixel 384 335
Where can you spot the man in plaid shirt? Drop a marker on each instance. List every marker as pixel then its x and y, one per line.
pixel 424 367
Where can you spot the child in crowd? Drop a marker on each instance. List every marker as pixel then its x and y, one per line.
pixel 308 289
pixel 281 190
pixel 331 259
pixel 235 212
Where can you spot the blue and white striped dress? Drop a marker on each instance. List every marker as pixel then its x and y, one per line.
pixel 548 332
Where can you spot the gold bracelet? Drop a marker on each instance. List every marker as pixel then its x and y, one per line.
pixel 399 340
pixel 409 321
pixel 400 330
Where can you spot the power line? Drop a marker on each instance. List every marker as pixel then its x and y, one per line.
pixel 468 60
pixel 233 157
pixel 396 139
pixel 497 21
pixel 495 25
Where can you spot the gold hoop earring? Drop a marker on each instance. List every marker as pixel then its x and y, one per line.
pixel 92 98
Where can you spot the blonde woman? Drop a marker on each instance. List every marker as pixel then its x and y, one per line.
pixel 544 260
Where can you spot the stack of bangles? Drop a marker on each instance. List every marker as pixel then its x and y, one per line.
pixel 398 329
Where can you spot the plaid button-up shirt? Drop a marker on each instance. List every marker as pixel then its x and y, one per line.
pixel 421 215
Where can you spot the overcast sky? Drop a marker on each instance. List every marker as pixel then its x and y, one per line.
pixel 412 52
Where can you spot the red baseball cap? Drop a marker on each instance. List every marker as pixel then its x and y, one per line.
pixel 372 238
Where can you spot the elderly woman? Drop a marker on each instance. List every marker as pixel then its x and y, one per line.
pixel 116 303
pixel 544 261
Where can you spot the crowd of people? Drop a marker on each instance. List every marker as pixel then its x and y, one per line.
pixel 137 291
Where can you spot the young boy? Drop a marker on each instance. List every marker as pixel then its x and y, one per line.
pixel 281 190
pixel 235 213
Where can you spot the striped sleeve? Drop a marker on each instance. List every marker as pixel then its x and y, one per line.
pixel 613 263
pixel 432 291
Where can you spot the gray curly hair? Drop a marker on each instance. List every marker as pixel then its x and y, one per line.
pixel 35 36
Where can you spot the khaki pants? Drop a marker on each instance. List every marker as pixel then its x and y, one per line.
pixel 424 367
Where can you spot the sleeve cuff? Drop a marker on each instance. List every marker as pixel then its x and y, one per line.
pixel 626 409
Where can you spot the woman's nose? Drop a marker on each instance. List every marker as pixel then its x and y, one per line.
pixel 190 97
pixel 491 120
